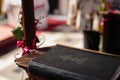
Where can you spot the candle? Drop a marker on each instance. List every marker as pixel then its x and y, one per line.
pixel 28 22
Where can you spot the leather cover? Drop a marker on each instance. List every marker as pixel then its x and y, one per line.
pixel 67 63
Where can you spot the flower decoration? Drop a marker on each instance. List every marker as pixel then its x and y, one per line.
pixel 18 33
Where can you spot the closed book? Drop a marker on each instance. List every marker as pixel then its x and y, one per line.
pixel 67 63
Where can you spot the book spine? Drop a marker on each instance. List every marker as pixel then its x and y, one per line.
pixel 38 69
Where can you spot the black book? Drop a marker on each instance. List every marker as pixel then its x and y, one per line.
pixel 67 63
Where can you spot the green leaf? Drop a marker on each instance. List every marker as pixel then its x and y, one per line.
pixel 18 33
pixel 102 0
pixel 27 79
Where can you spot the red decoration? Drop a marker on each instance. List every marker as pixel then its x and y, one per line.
pixel 19 43
pixel 25 50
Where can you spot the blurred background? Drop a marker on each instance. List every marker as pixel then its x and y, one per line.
pixel 53 28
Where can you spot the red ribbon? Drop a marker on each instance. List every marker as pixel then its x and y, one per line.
pixel 25 50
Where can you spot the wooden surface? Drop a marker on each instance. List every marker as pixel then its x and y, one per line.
pixel 23 62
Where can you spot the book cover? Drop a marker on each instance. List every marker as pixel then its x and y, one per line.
pixel 67 63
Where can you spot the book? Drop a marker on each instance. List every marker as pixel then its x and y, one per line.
pixel 67 63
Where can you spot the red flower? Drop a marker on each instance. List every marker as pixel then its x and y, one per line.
pixel 19 43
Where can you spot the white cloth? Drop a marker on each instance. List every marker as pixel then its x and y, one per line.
pixel 81 12
pixel 8 3
pixel 15 2
pixel 89 9
pixel 12 8
pixel 41 8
